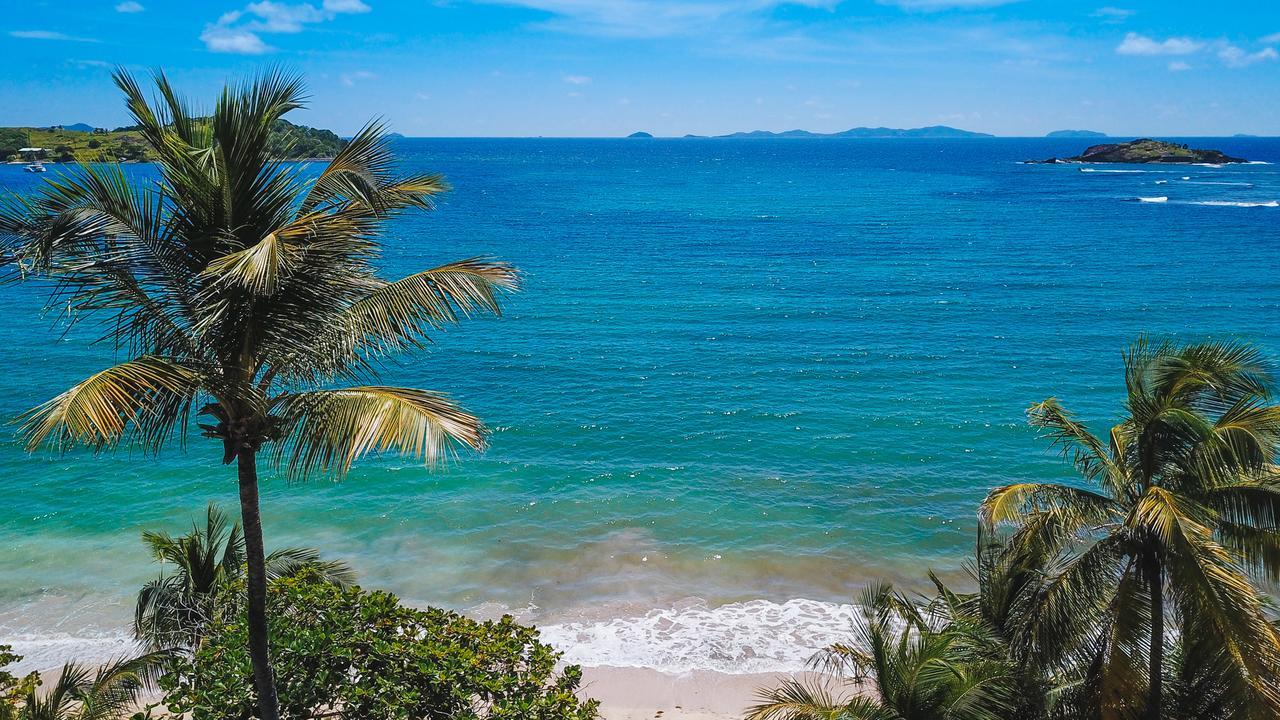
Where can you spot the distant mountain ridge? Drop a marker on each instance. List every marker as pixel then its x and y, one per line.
pixel 932 131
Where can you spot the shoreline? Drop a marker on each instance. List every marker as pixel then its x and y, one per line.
pixel 642 694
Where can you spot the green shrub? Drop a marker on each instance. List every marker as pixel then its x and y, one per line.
pixel 13 690
pixel 348 653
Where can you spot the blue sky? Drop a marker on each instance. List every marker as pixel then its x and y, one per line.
pixel 609 67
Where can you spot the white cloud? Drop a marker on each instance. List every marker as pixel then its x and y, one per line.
pixel 577 79
pixel 351 78
pixel 1135 44
pixel 934 5
pixel 1113 14
pixel 240 31
pixel 48 35
pixel 129 6
pixel 1272 38
pixel 230 40
pixel 1234 56
pixel 1178 66
pixel 648 18
pixel 346 6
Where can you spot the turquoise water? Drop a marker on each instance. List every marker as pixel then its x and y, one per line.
pixel 745 372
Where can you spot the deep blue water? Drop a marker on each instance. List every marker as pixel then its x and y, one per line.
pixel 738 370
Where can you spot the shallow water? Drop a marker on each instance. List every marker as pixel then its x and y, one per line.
pixel 746 372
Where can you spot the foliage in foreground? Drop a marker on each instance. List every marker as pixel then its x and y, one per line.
pixel 108 692
pixel 174 610
pixel 13 689
pixel 1134 598
pixel 348 653
pixel 1176 515
pixel 923 662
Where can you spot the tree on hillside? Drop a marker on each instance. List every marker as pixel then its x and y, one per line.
pixel 242 290
pixel 1155 549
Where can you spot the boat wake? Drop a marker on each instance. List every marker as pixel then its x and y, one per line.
pixel 1235 203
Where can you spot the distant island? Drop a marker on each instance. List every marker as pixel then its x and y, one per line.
pixel 75 143
pixel 640 134
pixel 931 132
pixel 1076 134
pixel 1146 151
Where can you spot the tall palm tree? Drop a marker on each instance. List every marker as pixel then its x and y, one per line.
pixel 244 287
pixel 174 610
pixel 1175 515
pixel 932 662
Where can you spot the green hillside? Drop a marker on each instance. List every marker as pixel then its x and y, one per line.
pixel 287 142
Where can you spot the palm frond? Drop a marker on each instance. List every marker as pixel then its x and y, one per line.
pixel 150 394
pixel 328 430
pixel 1074 440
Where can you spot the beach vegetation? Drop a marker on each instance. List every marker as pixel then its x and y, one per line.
pixel 13 689
pixel 907 660
pixel 245 291
pixel 203 569
pixel 1135 591
pixel 343 652
pixel 1174 517
pixel 80 692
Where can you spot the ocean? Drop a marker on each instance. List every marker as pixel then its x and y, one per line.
pixel 743 378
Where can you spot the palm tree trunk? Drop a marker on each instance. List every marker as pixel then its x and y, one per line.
pixel 1155 581
pixel 263 679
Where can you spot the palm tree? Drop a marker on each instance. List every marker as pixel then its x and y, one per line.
pixel 173 611
pixel 1176 513
pixel 924 663
pixel 244 287
pixel 108 692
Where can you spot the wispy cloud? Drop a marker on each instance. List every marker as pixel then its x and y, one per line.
pixel 936 5
pixel 648 18
pixel 577 79
pixel 1272 38
pixel 218 38
pixel 129 6
pixel 1233 56
pixel 1111 14
pixel 240 31
pixel 1135 44
pixel 1228 54
pixel 47 35
pixel 351 78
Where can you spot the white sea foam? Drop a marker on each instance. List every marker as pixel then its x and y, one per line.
pixel 48 651
pixel 739 638
pixel 1159 199
pixel 1257 162
pixel 1096 170
pixel 1242 203
pixel 1161 182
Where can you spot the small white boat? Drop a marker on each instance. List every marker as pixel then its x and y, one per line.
pixel 35 167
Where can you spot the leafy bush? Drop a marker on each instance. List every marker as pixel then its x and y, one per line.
pixel 348 653
pixel 12 689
